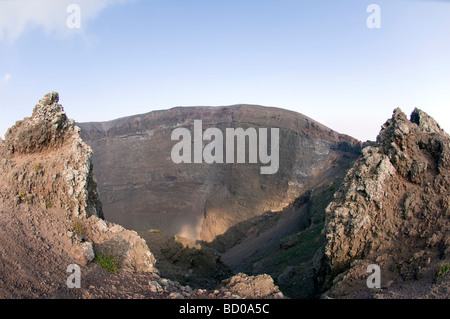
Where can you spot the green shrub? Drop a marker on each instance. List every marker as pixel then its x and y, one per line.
pixel 108 262
pixel 443 270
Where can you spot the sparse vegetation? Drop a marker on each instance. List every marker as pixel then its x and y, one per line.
pixel 79 228
pixel 23 197
pixel 443 270
pixel 37 167
pixel 48 204
pixel 154 231
pixel 108 262
pixel 331 186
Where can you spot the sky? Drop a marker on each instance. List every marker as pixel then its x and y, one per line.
pixel 322 58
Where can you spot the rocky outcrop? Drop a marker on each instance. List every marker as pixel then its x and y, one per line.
pixel 206 201
pixel 46 165
pixel 253 287
pixel 47 128
pixel 49 142
pixel 102 237
pixel 392 209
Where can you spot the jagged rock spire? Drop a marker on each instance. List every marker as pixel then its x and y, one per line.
pixel 394 202
pixel 47 127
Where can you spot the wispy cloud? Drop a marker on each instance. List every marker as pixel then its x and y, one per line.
pixel 19 16
pixel 5 79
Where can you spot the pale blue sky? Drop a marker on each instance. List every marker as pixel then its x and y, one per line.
pixel 316 57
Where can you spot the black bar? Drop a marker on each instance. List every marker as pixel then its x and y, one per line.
pixel 226 308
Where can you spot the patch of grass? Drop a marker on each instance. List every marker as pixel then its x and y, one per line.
pixel 48 204
pixel 108 262
pixel 37 167
pixel 24 198
pixel 443 270
pixel 306 244
pixel 79 228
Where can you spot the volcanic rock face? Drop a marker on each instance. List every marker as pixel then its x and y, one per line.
pixel 47 179
pixel 142 188
pixel 392 210
pixel 50 218
pixel 37 140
